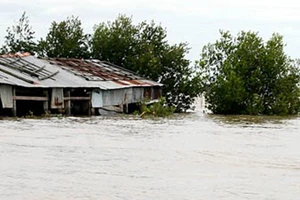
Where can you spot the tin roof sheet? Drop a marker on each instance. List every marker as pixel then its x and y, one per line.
pixel 28 71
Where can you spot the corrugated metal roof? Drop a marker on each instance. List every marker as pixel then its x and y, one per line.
pixel 10 80
pixel 95 70
pixel 28 71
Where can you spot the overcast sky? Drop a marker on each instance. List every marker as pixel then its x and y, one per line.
pixel 196 22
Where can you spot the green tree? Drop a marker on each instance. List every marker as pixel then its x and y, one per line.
pixel 115 41
pixel 20 37
pixel 65 39
pixel 143 48
pixel 245 75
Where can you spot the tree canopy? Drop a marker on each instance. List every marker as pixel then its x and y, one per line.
pixel 20 37
pixel 65 39
pixel 143 48
pixel 245 75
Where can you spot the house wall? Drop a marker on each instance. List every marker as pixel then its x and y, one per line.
pixel 129 95
pixel 122 96
pixel 138 95
pixel 22 101
pixel 6 96
pixel 6 100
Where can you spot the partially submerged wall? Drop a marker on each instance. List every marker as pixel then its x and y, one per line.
pixel 22 101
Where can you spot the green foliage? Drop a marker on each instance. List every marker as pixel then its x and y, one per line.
pixel 114 42
pixel 143 48
pixel 65 39
pixel 244 75
pixel 157 109
pixel 19 38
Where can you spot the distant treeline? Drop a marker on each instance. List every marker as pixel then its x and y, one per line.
pixel 238 75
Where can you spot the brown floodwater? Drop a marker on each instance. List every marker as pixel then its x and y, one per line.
pixel 188 156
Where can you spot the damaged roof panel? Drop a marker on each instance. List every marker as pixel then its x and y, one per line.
pixel 90 69
pixel 29 71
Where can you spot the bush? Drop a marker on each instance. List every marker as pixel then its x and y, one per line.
pixel 157 109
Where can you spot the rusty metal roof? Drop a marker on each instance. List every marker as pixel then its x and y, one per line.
pixel 28 71
pixel 95 70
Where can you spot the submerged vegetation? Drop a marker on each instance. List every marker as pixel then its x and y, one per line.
pixel 156 109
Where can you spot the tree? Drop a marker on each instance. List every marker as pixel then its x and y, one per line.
pixel 20 37
pixel 245 75
pixel 114 42
pixel 143 48
pixel 181 84
pixel 65 39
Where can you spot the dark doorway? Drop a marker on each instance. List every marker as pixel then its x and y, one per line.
pixel 29 108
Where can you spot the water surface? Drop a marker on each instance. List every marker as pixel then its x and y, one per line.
pixel 191 156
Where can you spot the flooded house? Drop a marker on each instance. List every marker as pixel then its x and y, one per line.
pixel 35 86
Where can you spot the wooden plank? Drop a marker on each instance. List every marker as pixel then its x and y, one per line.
pixel 30 98
pixel 49 76
pixel 15 75
pixel 46 103
pixel 39 69
pixel 14 109
pixel 77 98
pixel 90 105
pixel 68 102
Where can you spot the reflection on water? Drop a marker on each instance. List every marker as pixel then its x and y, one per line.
pixel 190 156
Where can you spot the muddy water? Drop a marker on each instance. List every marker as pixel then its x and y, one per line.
pixel 192 156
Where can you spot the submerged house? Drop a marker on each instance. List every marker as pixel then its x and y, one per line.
pixel 31 85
